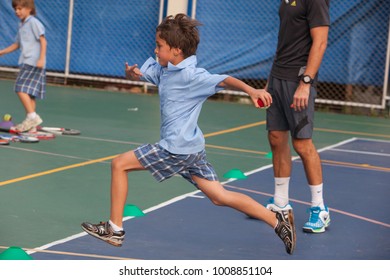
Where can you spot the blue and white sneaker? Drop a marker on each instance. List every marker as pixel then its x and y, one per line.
pixel 319 220
pixel 276 208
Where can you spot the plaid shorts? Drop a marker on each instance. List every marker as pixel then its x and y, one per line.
pixel 163 164
pixel 31 80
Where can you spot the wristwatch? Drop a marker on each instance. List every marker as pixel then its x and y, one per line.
pixel 306 79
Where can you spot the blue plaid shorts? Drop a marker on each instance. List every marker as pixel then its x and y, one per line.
pixel 31 80
pixel 163 164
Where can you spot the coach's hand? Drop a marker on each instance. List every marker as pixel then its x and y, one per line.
pixel 301 97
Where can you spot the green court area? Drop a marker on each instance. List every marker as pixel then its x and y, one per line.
pixel 47 189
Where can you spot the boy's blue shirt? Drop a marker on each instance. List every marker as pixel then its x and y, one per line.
pixel 182 88
pixel 28 39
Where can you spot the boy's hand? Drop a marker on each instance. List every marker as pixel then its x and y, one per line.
pixel 132 72
pixel 40 63
pixel 263 95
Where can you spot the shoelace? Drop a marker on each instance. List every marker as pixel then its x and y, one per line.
pixel 102 228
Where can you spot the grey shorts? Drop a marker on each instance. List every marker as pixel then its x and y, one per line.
pixel 280 117
pixel 163 164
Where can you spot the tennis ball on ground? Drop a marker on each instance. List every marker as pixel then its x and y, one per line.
pixel 7 117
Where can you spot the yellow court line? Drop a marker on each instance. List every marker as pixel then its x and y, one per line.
pixel 208 145
pixel 235 149
pixel 51 171
pixel 110 157
pixel 352 132
pixel 234 129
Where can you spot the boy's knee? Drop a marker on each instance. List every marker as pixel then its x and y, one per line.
pixel 222 199
pixel 217 202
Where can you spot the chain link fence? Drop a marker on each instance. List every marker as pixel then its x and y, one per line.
pixel 89 42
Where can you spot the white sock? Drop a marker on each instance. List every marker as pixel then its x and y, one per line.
pixel 281 191
pixel 114 226
pixel 316 196
pixel 32 115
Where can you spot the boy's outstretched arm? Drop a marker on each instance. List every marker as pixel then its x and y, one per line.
pixel 9 49
pixel 236 84
pixel 132 72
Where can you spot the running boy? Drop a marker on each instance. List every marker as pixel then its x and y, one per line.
pixel 31 81
pixel 181 150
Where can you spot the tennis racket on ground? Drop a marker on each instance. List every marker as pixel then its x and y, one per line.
pixel 59 130
pixel 19 138
pixel 4 142
pixel 36 134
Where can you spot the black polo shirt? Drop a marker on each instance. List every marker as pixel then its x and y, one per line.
pixel 297 17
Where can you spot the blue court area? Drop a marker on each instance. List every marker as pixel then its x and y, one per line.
pixel 189 227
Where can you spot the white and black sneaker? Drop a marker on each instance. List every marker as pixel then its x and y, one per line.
pixel 105 232
pixel 286 229
pixel 28 124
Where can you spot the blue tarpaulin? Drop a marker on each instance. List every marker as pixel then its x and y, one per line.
pixel 237 37
pixel 243 36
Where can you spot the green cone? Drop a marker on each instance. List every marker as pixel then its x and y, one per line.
pixel 15 253
pixel 133 211
pixel 269 155
pixel 235 174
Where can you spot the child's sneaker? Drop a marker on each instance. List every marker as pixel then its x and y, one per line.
pixel 286 229
pixel 104 232
pixel 28 124
pixel 276 208
pixel 319 220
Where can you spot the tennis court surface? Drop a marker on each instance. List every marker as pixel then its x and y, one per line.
pixel 47 189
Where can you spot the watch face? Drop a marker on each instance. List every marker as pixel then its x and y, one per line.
pixel 307 80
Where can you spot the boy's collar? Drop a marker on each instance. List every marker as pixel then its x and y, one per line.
pixel 27 19
pixel 189 61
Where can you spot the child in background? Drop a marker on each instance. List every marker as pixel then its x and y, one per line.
pixel 31 81
pixel 183 88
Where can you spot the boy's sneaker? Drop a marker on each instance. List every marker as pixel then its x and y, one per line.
pixel 104 232
pixel 276 208
pixel 286 229
pixel 319 220
pixel 28 124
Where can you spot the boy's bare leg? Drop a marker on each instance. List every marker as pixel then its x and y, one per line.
pixel 120 167
pixel 28 103
pixel 241 202
pixel 282 223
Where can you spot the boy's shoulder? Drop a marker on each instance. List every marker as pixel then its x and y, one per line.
pixel 35 20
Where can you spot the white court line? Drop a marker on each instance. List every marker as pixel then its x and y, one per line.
pixel 106 140
pixel 372 140
pixel 181 197
pixel 362 152
pixel 297 157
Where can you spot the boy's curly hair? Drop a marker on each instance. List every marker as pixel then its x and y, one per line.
pixel 25 4
pixel 180 32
